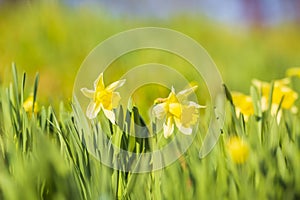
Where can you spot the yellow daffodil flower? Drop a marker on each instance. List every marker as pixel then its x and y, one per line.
pixel 295 71
pixel 280 90
pixel 103 98
pixel 28 105
pixel 243 104
pixel 238 150
pixel 176 109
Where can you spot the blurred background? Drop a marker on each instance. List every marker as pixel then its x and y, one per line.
pixel 246 38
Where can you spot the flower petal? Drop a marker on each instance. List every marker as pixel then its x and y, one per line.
pixel 184 93
pixel 88 93
pixel 168 128
pixel 294 109
pixel 282 82
pixel 173 90
pixel 175 109
pixel 115 85
pixel 99 84
pixel 92 110
pixel 110 115
pixel 115 99
pixel 243 103
pixel 189 116
pixel 295 71
pixel 159 110
pixel 193 104
pixel 182 129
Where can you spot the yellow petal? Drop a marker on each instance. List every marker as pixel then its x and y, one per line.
pixel 99 84
pixel 175 109
pixel 172 98
pixel 290 97
pixel 243 103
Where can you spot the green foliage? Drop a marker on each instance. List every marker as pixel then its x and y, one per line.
pixel 44 155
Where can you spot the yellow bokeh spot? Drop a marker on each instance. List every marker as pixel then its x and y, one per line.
pixel 28 105
pixel 238 150
pixel 295 71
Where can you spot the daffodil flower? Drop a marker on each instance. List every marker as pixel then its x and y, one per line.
pixel 176 109
pixel 238 150
pixel 28 105
pixel 243 104
pixel 281 92
pixel 103 98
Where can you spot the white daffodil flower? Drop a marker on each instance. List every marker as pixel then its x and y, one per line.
pixel 176 109
pixel 103 98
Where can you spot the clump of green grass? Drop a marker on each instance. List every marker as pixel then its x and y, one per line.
pixel 43 156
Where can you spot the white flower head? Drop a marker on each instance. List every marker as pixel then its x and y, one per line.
pixel 176 109
pixel 103 98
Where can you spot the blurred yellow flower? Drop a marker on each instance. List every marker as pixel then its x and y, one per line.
pixel 280 91
pixel 103 98
pixel 177 109
pixel 238 150
pixel 295 71
pixel 28 105
pixel 243 104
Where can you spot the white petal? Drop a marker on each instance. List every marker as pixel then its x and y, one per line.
pixel 168 128
pixel 264 104
pixel 88 93
pixel 279 117
pixel 193 104
pixel 172 89
pixel 110 115
pixel 184 93
pixel 258 83
pixel 116 85
pixel 159 110
pixel 294 109
pixel 92 110
pixel 182 129
pixel 274 109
